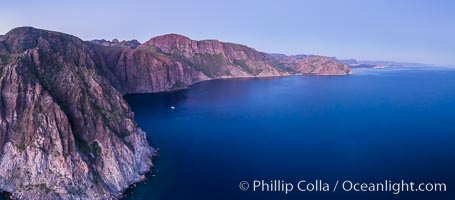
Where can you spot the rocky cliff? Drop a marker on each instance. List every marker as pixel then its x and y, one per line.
pixel 65 130
pixel 217 59
pixel 144 70
pixel 172 61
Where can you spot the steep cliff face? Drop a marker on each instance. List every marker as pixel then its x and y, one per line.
pixel 65 132
pixel 217 59
pixel 146 70
pixel 173 61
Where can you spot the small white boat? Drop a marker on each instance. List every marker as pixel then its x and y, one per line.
pixel 172 107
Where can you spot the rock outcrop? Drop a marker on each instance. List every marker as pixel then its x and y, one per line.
pixel 65 130
pixel 316 65
pixel 321 65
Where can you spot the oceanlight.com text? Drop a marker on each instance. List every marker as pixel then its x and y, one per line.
pixel 341 185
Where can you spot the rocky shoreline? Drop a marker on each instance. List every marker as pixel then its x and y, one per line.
pixel 65 130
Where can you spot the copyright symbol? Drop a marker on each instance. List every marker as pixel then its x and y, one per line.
pixel 244 186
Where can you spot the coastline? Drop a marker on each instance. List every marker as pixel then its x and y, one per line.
pixel 241 77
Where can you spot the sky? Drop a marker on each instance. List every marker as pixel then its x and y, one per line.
pixel 399 30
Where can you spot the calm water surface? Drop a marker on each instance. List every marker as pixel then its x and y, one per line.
pixel 375 125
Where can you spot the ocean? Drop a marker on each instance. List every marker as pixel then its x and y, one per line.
pixel 377 126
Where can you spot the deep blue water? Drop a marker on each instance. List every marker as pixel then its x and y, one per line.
pixel 372 126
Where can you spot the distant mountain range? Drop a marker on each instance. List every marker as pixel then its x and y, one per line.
pixel 359 64
pixel 353 63
pixel 115 43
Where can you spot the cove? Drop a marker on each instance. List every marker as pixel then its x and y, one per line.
pixel 375 125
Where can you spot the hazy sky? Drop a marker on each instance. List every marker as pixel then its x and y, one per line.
pixel 401 30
